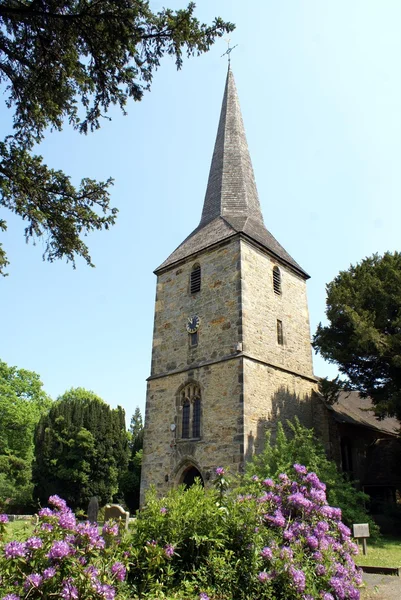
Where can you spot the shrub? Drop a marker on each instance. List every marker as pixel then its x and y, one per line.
pixel 301 446
pixel 276 541
pixel 63 559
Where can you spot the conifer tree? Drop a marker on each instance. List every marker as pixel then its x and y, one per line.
pixel 81 449
pixel 66 63
pixel 131 479
pixel 363 334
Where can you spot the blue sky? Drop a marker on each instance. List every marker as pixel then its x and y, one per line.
pixel 320 92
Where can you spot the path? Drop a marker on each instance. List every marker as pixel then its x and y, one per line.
pixel 381 587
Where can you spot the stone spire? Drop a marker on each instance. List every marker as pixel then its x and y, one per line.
pixel 231 204
pixel 231 189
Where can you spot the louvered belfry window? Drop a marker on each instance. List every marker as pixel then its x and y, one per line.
pixel 195 279
pixel 277 281
pixel 191 407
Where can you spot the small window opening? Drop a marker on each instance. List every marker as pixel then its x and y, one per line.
pixel 280 336
pixel 195 284
pixel 193 339
pixel 277 281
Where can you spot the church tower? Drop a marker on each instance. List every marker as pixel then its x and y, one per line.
pixel 231 343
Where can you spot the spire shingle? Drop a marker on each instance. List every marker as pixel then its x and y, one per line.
pixel 231 202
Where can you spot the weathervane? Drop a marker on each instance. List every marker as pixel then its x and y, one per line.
pixel 228 51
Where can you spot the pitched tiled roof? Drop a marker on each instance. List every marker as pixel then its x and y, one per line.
pixel 231 203
pixel 354 410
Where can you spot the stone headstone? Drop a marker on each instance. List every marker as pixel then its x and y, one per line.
pixel 93 509
pixel 117 513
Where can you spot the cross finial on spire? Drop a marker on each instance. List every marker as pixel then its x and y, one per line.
pixel 228 51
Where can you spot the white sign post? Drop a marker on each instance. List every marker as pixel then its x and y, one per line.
pixel 361 532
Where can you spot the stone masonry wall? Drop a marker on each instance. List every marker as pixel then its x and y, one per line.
pixel 217 305
pixel 221 431
pixel 271 395
pixel 262 307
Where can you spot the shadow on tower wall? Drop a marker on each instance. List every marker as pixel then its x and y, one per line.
pixel 285 405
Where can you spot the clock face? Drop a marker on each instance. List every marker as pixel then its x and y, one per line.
pixel 193 324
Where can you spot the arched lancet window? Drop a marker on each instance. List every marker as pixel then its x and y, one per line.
pixel 277 281
pixel 191 412
pixel 196 418
pixel 195 283
pixel 186 415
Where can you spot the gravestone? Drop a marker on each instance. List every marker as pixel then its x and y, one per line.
pixel 93 509
pixel 117 513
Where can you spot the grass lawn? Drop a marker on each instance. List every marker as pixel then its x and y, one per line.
pixel 384 553
pixel 18 530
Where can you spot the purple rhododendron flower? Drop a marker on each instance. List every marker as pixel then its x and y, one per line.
pixel 203 596
pixel 45 512
pixel 286 553
pixel 163 510
pixel 312 542
pixel 267 553
pixel 46 527
pixel 15 549
pixel 58 502
pixel 300 469
pixel 298 578
pixel 268 482
pixel 104 590
pixel 92 571
pixel 220 471
pixel 34 543
pixel 59 550
pixel 119 570
pixel 49 573
pixel 169 550
pixel 338 585
pixel 69 591
pixel 90 534
pixel 3 518
pixel 11 597
pixel 263 576
pixel 110 529
pixel 278 519
pixel 67 520
pixel 255 478
pixel 33 581
pixel 299 500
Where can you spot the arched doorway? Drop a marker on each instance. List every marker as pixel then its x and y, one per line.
pixel 189 475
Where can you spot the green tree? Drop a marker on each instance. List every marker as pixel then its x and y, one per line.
pixel 69 61
pixel 80 449
pixel 363 335
pixel 130 482
pixel 22 402
pixel 300 446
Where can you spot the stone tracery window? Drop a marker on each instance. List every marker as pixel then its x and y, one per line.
pixel 190 415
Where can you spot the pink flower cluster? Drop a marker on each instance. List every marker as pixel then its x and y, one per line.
pixel 63 545
pixel 304 534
